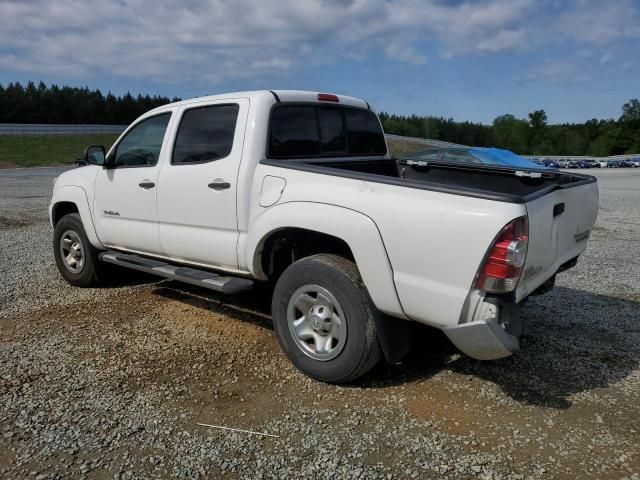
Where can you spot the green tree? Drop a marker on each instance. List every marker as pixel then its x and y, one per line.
pixel 538 119
pixel 511 133
pixel 54 104
pixel 631 111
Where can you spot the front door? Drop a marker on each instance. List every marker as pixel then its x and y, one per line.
pixel 197 199
pixel 126 194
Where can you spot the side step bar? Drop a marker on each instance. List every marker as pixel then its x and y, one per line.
pixel 201 278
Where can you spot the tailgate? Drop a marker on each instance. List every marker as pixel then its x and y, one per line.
pixel 559 225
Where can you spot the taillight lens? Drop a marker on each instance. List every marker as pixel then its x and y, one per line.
pixel 503 265
pixel 328 97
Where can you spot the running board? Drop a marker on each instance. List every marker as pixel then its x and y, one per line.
pixel 201 278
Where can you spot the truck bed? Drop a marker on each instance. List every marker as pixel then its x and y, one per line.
pixel 482 181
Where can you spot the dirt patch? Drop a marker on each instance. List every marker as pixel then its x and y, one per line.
pixel 450 410
pixel 12 222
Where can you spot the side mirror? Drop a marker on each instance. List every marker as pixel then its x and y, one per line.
pixel 94 155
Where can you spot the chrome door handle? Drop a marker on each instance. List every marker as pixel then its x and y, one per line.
pixel 147 185
pixel 219 185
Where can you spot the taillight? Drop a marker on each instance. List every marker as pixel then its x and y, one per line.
pixel 503 265
pixel 328 97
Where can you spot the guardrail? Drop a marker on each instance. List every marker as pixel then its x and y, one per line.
pixel 58 129
pixel 576 158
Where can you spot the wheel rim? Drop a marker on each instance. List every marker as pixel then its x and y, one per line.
pixel 317 322
pixel 72 251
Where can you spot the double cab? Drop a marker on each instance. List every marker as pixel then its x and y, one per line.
pixel 298 190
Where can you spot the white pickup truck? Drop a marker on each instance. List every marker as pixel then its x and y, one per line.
pixel 298 189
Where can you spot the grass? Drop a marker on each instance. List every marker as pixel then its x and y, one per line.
pixel 38 150
pixel 401 148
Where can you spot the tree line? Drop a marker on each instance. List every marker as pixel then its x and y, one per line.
pixel 53 104
pixel 531 136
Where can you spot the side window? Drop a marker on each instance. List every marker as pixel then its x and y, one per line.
pixel 141 145
pixel 205 134
pixel 364 133
pixel 294 132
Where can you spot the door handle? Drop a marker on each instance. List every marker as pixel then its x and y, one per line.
pixel 147 185
pixel 219 185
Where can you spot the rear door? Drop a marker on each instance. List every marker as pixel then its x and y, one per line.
pixel 125 195
pixel 197 210
pixel 559 226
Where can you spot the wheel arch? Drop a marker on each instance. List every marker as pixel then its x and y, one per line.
pixel 61 209
pixel 73 199
pixel 335 229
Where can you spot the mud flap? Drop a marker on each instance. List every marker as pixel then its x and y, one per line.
pixel 394 337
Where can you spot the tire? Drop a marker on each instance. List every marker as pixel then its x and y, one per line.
pixel 70 232
pixel 336 340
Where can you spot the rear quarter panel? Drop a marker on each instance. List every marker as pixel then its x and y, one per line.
pixel 435 242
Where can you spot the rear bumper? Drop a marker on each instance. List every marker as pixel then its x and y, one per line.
pixel 493 332
pixel 492 327
pixel 483 340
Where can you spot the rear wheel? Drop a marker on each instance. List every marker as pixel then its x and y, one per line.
pixel 324 319
pixel 76 258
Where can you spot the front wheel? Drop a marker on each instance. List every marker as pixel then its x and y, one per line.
pixel 76 258
pixel 324 319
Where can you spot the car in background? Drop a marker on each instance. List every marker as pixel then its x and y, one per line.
pixel 594 163
pixel 613 164
pixel 635 163
pixel 477 155
pixel 583 164
pixel 551 164
pixel 571 164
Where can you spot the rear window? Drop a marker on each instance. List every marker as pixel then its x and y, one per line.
pixel 332 132
pixel 294 132
pixel 365 134
pixel 322 131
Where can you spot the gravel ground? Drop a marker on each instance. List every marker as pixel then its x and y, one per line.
pixel 111 382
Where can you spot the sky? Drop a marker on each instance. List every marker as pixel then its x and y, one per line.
pixel 469 60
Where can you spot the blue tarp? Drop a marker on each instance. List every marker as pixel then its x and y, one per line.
pixel 496 156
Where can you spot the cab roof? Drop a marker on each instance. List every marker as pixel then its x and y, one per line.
pixel 276 96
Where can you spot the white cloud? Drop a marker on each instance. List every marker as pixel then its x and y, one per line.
pixel 217 40
pixel 606 57
pixel 210 41
pixel 626 66
pixel 598 22
pixel 405 53
pixel 555 72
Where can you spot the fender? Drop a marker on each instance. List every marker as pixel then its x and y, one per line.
pixel 359 232
pixel 77 196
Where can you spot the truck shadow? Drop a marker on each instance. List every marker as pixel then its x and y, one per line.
pixel 253 306
pixel 573 341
